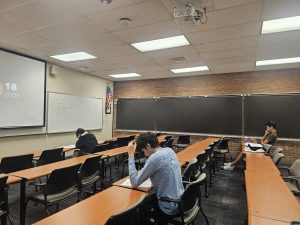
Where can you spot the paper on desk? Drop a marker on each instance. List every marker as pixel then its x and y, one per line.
pixel 260 150
pixel 69 146
pixel 255 145
pixel 146 184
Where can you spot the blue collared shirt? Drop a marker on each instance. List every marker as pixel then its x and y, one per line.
pixel 163 168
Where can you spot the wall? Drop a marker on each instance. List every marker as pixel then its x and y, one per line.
pixel 70 82
pixel 272 81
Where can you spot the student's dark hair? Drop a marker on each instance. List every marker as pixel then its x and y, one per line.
pixel 147 138
pixel 271 124
pixel 79 131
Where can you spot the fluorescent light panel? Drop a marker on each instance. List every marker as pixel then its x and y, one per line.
pixel 164 43
pixel 75 56
pixel 278 61
pixel 124 75
pixel 280 25
pixel 190 69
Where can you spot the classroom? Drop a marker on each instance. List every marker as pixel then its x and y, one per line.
pixel 217 81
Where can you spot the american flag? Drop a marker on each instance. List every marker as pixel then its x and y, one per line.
pixel 108 100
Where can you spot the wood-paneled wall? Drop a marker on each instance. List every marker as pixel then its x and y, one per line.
pixel 268 82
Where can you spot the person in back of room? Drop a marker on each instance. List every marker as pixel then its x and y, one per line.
pixel 269 137
pixel 86 142
pixel 163 169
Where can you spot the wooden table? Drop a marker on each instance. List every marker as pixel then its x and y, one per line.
pixel 96 209
pixel 260 162
pixel 255 220
pixel 11 179
pixel 36 172
pixel 269 197
pixel 191 152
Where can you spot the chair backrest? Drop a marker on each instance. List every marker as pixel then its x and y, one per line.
pixel 223 144
pixel 50 156
pixel 63 179
pixel 129 216
pixel 101 147
pixel 122 141
pixel 184 139
pixel 169 143
pixel 277 150
pixel 191 195
pixel 111 144
pixel 90 167
pixel 267 147
pixel 130 138
pixel 277 158
pixel 168 137
pixel 190 170
pixel 295 168
pixel 201 160
pixel 3 191
pixel 16 163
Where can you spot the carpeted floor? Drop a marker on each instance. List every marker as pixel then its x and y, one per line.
pixel 226 204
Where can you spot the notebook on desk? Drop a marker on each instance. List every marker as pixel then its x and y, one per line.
pixel 146 184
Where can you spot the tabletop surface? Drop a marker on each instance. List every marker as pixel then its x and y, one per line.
pixel 268 196
pixel 260 162
pixel 96 209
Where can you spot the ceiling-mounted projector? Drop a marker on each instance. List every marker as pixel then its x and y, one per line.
pixel 188 14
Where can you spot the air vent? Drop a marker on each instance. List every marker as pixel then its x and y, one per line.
pixel 178 59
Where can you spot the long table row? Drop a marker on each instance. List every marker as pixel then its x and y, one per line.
pixel 98 208
pixel 269 199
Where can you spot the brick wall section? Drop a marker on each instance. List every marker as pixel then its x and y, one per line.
pixel 271 81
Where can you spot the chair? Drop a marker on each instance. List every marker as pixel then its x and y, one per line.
pixel 189 203
pixel 222 148
pixel 277 150
pixel 201 161
pixel 100 148
pixel 50 156
pixel 277 158
pixel 122 141
pixel 267 148
pixel 293 178
pixel 168 137
pixel 183 141
pixel 169 143
pixel 210 163
pixel 62 184
pixel 90 173
pixel 139 159
pixel 4 210
pixel 129 216
pixel 190 171
pixel 15 163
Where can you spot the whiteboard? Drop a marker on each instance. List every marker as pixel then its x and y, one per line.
pixel 67 113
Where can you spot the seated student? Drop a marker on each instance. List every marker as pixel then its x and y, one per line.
pixel 269 137
pixel 162 167
pixel 86 142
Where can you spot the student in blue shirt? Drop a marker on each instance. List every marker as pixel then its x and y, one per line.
pixel 163 169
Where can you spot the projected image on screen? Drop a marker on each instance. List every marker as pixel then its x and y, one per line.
pixel 22 91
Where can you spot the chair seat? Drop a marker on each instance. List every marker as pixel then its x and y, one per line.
pixel 56 197
pixel 223 151
pixel 292 187
pixel 89 180
pixel 188 217
pixel 2 212
pixel 181 145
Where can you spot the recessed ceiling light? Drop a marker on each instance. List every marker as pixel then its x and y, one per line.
pixel 278 61
pixel 106 2
pixel 190 69
pixel 125 22
pixel 280 25
pixel 164 43
pixel 124 75
pixel 75 56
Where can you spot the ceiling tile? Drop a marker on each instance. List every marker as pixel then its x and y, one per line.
pixel 276 9
pixel 40 13
pixel 149 32
pixel 231 60
pixel 9 4
pixel 279 38
pixel 278 51
pixel 228 44
pixel 232 32
pixel 154 13
pixel 229 53
pixel 221 4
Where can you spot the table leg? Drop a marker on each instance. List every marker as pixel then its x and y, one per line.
pixel 22 201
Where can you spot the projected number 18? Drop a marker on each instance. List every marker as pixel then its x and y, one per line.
pixel 11 86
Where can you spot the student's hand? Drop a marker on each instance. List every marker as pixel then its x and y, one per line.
pixel 266 132
pixel 131 148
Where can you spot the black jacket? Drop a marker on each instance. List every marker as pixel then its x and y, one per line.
pixel 86 143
